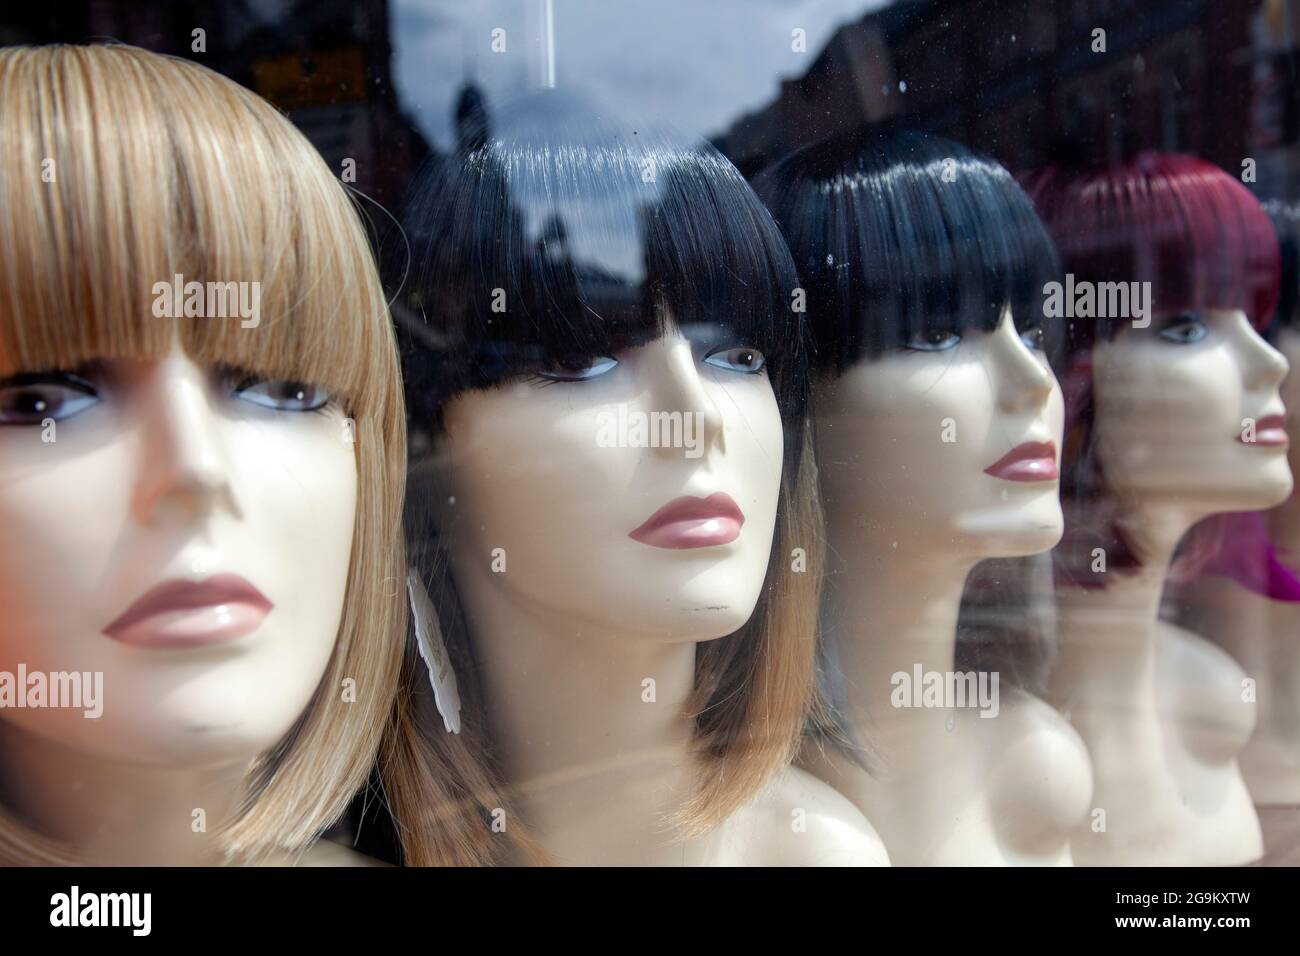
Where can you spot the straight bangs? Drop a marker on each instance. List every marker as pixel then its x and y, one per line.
pixel 1184 225
pixel 115 182
pixel 899 234
pixel 564 236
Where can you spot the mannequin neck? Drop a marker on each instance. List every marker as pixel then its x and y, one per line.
pixel 1108 634
pixel 1285 528
pixel 886 611
pixel 594 767
pixel 115 813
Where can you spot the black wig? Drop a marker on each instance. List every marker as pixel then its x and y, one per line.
pixel 566 235
pixel 899 233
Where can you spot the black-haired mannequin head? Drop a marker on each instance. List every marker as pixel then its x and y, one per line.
pixel 577 276
pixel 938 428
pixel 924 265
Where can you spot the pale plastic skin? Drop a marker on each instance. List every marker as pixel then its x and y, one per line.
pixel 909 515
pixel 582 615
pixel 1263 636
pixel 1162 710
pixel 167 477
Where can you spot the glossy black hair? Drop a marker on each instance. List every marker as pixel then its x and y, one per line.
pixel 898 233
pixel 563 234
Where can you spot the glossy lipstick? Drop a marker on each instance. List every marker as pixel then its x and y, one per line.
pixel 689 522
pixel 1269 430
pixel 181 614
pixel 1030 461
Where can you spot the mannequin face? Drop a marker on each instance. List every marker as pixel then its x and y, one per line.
pixel 165 472
pixel 1170 401
pixel 906 443
pixel 1288 343
pixel 532 470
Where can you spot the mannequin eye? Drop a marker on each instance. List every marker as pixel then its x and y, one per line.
pixel 933 340
pixel 745 360
pixel 598 367
pixel 31 399
pixel 282 394
pixel 1185 329
pixel 1035 339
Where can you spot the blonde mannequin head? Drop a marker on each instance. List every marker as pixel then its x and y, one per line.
pixel 120 168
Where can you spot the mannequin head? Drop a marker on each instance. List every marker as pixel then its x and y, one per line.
pixel 574 274
pixel 1241 545
pixel 923 263
pixel 1156 414
pixel 261 461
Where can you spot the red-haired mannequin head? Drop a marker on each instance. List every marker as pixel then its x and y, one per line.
pixel 1158 396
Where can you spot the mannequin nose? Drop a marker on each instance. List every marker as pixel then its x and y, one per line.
pixel 1024 379
pixel 1263 366
pixel 183 473
pixel 679 387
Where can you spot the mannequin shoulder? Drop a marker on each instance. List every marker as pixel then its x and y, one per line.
pixel 329 853
pixel 1205 692
pixel 805 822
pixel 1044 773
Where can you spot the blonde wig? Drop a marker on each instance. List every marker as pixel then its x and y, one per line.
pixel 156 166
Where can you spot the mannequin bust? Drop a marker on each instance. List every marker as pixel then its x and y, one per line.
pixel 1247 599
pixel 1164 712
pixel 198 511
pixel 627 618
pixel 938 434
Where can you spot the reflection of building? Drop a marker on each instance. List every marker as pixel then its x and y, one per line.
pixel 325 63
pixel 1019 79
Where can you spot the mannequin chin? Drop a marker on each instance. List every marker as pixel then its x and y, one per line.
pixel 906 441
pixel 170 477
pixel 530 475
pixel 1185 446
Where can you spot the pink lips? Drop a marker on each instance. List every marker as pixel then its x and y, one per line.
pixel 1031 461
pixel 689 522
pixel 181 614
pixel 1269 430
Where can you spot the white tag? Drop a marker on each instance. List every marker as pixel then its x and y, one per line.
pixel 428 638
